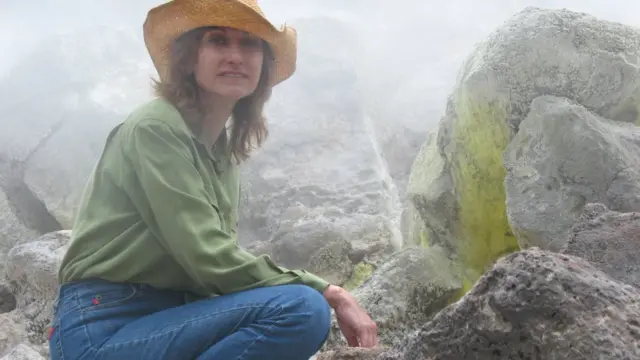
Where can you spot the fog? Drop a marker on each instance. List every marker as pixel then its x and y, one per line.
pixel 399 29
pixel 376 72
pixel 413 43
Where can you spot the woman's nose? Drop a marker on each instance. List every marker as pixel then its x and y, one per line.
pixel 234 53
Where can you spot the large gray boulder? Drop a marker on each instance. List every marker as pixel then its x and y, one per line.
pixel 534 304
pixel 537 52
pixel 318 246
pixel 32 274
pixel 563 157
pixel 610 240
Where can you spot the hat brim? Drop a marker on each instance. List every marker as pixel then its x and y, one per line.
pixel 165 23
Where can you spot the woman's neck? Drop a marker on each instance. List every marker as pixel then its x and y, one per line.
pixel 216 115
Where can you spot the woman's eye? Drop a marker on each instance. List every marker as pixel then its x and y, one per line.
pixel 251 43
pixel 218 40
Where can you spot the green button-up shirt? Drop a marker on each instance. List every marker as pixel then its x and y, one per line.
pixel 161 209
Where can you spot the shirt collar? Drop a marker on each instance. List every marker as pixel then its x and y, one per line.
pixel 220 149
pixel 221 152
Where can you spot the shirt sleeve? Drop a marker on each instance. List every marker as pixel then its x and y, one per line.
pixel 189 225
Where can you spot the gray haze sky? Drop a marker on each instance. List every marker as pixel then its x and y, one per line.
pixel 25 22
pixel 430 37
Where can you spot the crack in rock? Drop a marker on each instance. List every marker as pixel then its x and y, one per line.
pixel 30 210
pixel 25 205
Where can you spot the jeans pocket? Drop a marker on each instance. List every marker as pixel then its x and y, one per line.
pixel 101 296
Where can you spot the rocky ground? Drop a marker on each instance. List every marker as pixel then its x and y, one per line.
pixel 521 222
pixel 531 186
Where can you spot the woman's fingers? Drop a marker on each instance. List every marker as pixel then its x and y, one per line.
pixel 369 334
pixel 357 327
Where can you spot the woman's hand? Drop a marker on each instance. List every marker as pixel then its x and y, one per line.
pixel 355 324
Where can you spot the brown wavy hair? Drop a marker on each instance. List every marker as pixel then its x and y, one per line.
pixel 249 126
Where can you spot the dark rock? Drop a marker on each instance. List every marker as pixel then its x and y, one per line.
pixel 534 305
pixel 609 240
pixel 7 299
pixel 350 353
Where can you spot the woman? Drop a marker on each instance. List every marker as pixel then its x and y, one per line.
pixel 153 270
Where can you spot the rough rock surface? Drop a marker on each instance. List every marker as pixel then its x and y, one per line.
pixel 572 55
pixel 563 157
pixel 429 192
pixel 609 240
pixel 348 353
pixel 12 229
pixel 22 352
pixel 13 332
pixel 7 299
pixel 319 247
pixel 534 304
pixel 32 274
pixel 404 293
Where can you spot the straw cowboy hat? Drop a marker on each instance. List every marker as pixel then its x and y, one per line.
pixel 168 21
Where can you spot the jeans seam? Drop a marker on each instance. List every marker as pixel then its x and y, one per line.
pixel 84 327
pixel 111 304
pixel 105 347
pixel 261 335
pixel 59 344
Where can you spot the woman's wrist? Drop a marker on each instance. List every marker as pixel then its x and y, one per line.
pixel 334 295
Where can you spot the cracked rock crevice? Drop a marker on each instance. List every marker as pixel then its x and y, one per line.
pixel 8 301
pixel 24 204
pixel 31 211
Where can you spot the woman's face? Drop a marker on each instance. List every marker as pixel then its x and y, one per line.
pixel 229 63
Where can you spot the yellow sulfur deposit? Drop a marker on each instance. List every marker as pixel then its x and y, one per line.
pixel 361 272
pixel 482 231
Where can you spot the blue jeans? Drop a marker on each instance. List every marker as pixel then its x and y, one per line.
pixel 101 320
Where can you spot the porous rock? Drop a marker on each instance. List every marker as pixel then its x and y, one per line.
pixel 23 352
pixel 351 353
pixel 610 240
pixel 32 272
pixel 534 304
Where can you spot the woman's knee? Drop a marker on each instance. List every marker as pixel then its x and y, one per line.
pixel 312 306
